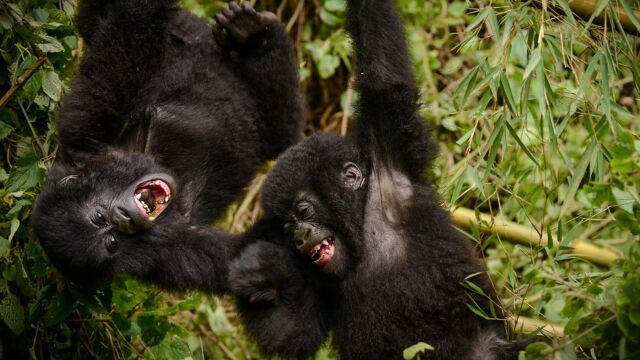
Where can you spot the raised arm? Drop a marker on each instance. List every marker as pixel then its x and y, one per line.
pixel 124 39
pixel 387 119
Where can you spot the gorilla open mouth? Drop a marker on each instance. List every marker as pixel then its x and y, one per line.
pixel 152 197
pixel 322 253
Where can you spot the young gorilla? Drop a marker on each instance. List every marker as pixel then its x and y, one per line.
pixel 163 128
pixel 356 240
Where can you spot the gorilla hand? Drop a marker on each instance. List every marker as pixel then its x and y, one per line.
pixel 239 23
pixel 265 272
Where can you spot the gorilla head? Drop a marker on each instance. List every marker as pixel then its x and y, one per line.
pixel 318 190
pixel 94 211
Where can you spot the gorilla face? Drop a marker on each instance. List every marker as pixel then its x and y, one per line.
pixel 88 216
pixel 324 215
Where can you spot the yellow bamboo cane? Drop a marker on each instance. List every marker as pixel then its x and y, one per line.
pixel 525 235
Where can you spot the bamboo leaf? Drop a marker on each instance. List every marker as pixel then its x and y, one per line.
pixel 578 175
pixel 567 10
pixel 534 60
pixel 628 9
pixel 467 84
pixel 508 95
pixel 522 145
pixel 478 19
pixel 599 7
pixel 604 82
pixel 492 19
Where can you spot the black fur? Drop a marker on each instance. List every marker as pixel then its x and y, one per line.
pixel 156 93
pixel 401 261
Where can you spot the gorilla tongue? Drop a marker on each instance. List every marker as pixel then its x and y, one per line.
pixel 322 253
pixel 152 197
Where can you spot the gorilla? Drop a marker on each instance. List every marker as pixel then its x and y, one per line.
pixel 354 239
pixel 166 122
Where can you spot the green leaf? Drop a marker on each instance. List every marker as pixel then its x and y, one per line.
pixel 467 84
pixel 578 174
pixel 5 130
pixel 61 305
pixel 329 18
pixel 457 9
pixel 492 19
pixel 51 45
pixel 478 19
pixel 15 225
pixel 12 313
pixel 414 350
pixel 506 91
pixel 513 133
pixel 624 199
pixel 51 85
pixel 599 7
pixel 336 5
pixel 628 9
pixel 534 60
pixel 25 174
pixel 219 322
pixel 32 86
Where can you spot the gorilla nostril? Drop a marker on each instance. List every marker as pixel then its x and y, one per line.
pixel 123 214
pixel 299 242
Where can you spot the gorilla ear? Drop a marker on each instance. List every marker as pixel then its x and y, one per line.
pixel 61 173
pixel 352 177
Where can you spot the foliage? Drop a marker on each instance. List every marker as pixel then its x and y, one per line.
pixel 538 116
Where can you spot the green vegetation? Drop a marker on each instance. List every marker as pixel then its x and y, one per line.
pixel 538 117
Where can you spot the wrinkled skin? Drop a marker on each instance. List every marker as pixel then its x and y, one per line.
pixel 165 124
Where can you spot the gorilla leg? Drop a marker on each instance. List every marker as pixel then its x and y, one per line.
pixel 267 62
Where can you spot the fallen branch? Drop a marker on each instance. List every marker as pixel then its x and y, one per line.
pixel 528 236
pixel 21 80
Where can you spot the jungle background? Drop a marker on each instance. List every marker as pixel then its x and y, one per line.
pixel 535 105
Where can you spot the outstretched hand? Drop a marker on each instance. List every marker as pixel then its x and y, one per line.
pixel 265 272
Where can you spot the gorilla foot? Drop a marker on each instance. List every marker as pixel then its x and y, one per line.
pixel 239 23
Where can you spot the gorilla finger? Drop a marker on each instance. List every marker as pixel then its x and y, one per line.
pixel 222 20
pixel 234 7
pixel 228 13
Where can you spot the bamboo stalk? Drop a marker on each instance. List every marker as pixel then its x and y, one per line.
pixel 528 236
pixel 585 9
pixel 526 325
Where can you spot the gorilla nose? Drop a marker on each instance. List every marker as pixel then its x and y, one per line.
pixel 302 234
pixel 122 221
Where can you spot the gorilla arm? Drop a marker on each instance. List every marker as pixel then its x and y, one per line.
pixel 387 120
pixel 114 71
pixel 277 297
pixel 189 258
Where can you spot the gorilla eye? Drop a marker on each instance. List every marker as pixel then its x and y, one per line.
pixel 99 219
pixel 305 209
pixel 352 176
pixel 111 244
